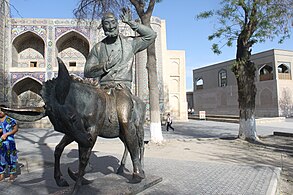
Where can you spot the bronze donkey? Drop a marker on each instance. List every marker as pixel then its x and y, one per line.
pixel 83 111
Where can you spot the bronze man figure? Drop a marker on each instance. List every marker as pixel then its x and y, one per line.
pixel 110 61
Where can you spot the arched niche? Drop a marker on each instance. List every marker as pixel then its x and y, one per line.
pixel 28 50
pixel 73 49
pixel 266 73
pixel 199 83
pixel 26 92
pixel 284 71
pixel 174 68
pixel 266 98
pixel 175 105
pixel 174 85
pixel 283 68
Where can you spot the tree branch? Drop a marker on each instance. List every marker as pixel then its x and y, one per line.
pixel 151 7
pixel 253 18
pixel 138 7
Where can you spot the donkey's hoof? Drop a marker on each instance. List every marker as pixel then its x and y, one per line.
pixel 137 177
pixel 120 170
pixel 74 176
pixel 62 182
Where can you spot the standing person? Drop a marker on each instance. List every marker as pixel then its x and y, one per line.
pixel 8 153
pixel 169 122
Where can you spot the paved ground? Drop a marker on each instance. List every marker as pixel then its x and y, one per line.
pixel 199 157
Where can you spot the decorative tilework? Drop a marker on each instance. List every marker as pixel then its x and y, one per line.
pixel 6 62
pixel 59 31
pixel 49 52
pixel 19 75
pixel 49 75
pixel 29 21
pixel 155 20
pixel 19 29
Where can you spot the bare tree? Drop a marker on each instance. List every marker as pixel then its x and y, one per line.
pixel 248 22
pixel 286 103
pixel 94 9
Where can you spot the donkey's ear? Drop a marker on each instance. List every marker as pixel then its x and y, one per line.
pixel 63 82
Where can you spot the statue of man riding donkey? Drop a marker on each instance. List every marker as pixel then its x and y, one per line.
pixel 83 109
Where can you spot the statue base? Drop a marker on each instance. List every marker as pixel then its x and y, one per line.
pixel 113 184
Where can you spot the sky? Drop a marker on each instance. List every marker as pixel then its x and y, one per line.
pixel 184 32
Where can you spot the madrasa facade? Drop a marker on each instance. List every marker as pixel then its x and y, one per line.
pixel 29 48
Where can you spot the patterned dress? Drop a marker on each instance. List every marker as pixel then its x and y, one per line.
pixel 8 153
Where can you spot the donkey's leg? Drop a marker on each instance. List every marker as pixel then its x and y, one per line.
pixel 84 154
pixel 60 181
pixel 120 170
pixel 141 145
pixel 75 175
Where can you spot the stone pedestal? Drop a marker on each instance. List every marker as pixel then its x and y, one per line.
pixel 113 184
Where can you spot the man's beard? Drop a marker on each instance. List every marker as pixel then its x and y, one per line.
pixel 112 34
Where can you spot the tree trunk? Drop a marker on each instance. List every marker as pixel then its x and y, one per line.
pixel 244 70
pixel 155 126
pixel 154 100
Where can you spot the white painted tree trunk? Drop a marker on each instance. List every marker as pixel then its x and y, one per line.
pixel 156 133
pixel 247 129
pixel 154 98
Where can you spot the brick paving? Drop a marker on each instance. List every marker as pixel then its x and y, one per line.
pixel 202 178
pixel 179 176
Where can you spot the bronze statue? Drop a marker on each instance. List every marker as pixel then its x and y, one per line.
pixel 82 111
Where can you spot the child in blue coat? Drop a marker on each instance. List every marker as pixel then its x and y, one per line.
pixel 8 152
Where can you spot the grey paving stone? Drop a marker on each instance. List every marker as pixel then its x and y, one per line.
pixel 178 177
pixel 189 177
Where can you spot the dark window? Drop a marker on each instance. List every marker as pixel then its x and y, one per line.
pixel 199 84
pixel 266 73
pixel 222 78
pixel 33 64
pixel 284 72
pixel 282 68
pixel 72 64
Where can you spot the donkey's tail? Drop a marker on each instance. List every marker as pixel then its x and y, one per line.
pixel 25 114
